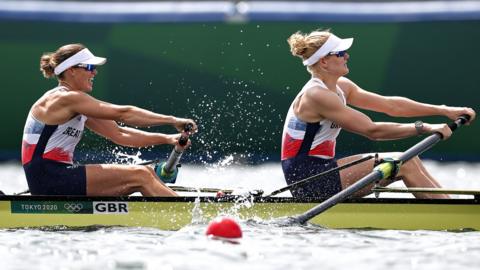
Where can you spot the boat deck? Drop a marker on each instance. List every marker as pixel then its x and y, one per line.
pixel 173 213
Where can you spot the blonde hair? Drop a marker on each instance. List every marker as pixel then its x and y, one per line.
pixel 305 45
pixel 49 60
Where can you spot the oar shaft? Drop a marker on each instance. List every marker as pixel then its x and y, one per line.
pixel 177 151
pixel 173 160
pixel 420 147
pixel 370 178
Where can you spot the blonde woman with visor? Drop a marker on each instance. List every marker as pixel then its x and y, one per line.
pixel 324 106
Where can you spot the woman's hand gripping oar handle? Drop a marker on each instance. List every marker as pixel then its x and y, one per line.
pixel 185 134
pixel 462 120
pixel 167 171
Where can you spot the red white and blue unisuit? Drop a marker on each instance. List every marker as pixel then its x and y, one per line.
pixel 47 156
pixel 309 149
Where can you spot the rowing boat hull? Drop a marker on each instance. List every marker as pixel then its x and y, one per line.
pixel 175 213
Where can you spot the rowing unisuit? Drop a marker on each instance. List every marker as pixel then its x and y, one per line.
pixel 309 149
pixel 296 131
pixel 47 155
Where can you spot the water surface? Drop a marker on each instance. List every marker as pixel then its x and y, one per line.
pixel 264 245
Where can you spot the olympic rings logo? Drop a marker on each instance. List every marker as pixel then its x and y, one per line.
pixel 73 207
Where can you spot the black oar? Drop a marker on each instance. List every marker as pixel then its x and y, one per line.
pixel 319 176
pixel 383 171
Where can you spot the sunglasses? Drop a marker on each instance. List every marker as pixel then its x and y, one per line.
pixel 87 67
pixel 338 54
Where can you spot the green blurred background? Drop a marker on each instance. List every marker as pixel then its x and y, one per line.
pixel 238 79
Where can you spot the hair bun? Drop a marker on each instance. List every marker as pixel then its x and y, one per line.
pixel 298 44
pixel 46 65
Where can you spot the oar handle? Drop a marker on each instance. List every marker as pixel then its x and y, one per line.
pixel 169 168
pixel 182 142
pixel 186 133
pixel 459 122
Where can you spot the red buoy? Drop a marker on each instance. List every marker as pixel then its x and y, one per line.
pixel 224 227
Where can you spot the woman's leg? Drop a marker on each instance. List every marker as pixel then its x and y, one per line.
pixel 117 180
pixel 413 174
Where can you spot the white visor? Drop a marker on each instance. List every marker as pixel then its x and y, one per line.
pixel 333 44
pixel 82 57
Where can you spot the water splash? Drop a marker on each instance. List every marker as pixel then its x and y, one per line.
pixel 197 213
pixel 223 125
pixel 125 158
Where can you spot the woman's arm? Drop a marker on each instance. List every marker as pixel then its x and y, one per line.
pixel 82 103
pixel 127 136
pixel 397 106
pixel 328 105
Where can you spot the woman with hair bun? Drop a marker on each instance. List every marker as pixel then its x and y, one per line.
pixel 322 108
pixel 56 122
